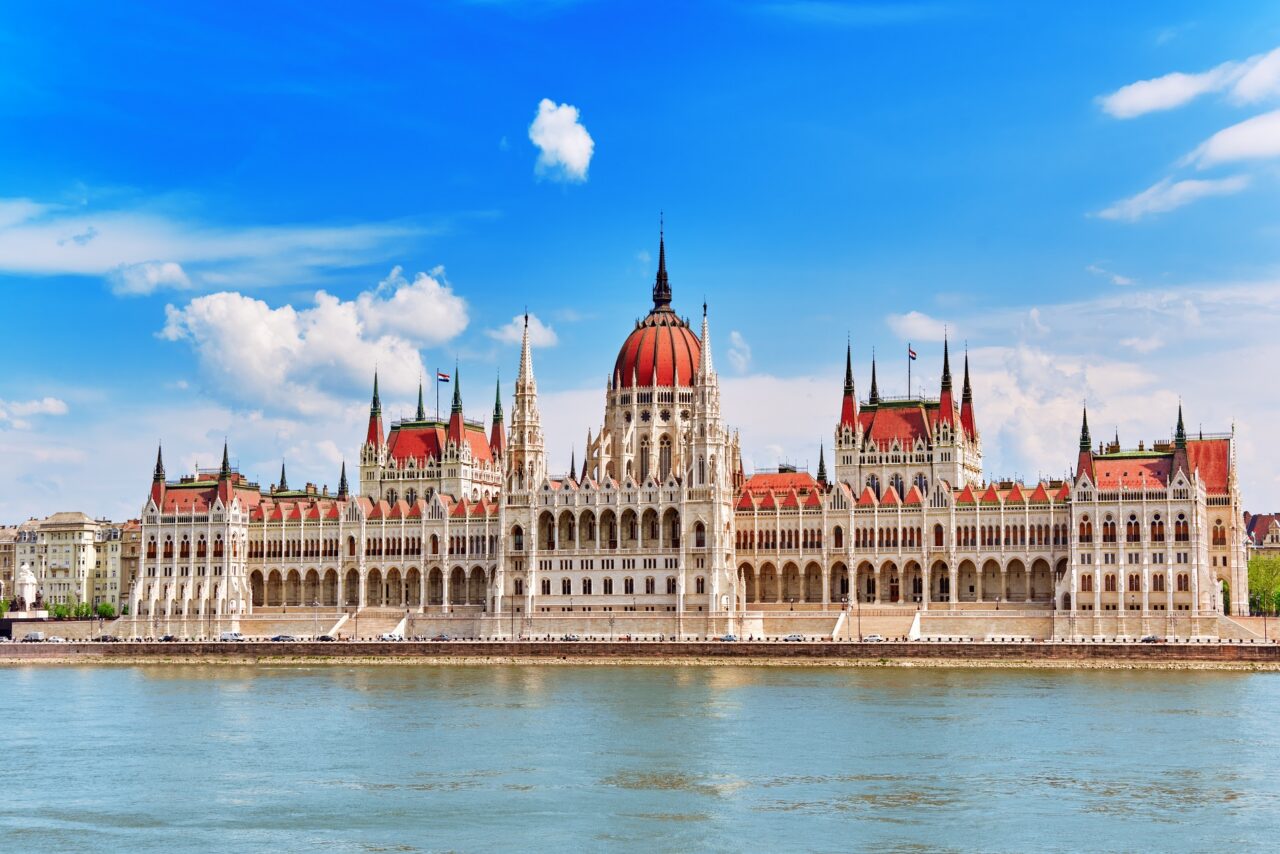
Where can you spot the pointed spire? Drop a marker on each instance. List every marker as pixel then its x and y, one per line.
pixel 661 287
pixel 1085 442
pixel 376 405
pixel 284 481
pixel 1180 435
pixel 946 365
pixel 343 490
pixel 497 401
pixel 225 471
pixel 967 394
pixel 822 465
pixel 422 410
pixel 874 399
pixel 848 369
pixel 705 368
pixel 573 461
pixel 525 375
pixel 158 474
pixel 457 389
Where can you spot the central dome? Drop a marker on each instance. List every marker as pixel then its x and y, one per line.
pixel 662 350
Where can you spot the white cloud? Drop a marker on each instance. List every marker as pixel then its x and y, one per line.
pixel 540 335
pixel 123 245
pixel 306 360
pixel 916 326
pixel 146 278
pixel 1148 344
pixel 739 352
pixel 1167 195
pixel 14 413
pixel 564 146
pixel 1116 278
pixel 1257 138
pixel 1249 81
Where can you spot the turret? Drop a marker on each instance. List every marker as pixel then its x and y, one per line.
pixel 457 429
pixel 157 478
pixel 497 433
pixel 874 399
pixel 343 489
pixel 822 466
pixel 422 410
pixel 284 481
pixel 966 404
pixel 849 403
pixel 946 402
pixel 661 286
pixel 374 436
pixel 1084 462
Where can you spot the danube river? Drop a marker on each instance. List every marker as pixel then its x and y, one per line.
pixel 437 758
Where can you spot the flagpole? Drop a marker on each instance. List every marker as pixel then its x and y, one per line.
pixel 437 395
pixel 908 370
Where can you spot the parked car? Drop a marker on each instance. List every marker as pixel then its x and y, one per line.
pixel 108 639
pixel 283 638
pixel 441 637
pixel 570 638
pixel 873 639
pixel 390 636
pixel 326 638
pixel 56 639
pixel 168 639
pixel 1150 639
pixel 33 637
pixel 235 637
pixel 728 639
pixel 793 639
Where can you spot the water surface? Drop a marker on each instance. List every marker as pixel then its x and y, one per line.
pixel 431 758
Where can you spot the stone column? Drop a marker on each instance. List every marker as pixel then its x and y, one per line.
pixel 444 587
pixel 953 571
pixel 926 581
pixel 879 586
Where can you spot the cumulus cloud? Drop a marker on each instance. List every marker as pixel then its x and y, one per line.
pixel 306 360
pixel 564 146
pixel 16 413
pixel 1147 344
pixel 739 352
pixel 1257 138
pixel 1247 81
pixel 540 334
pixel 144 248
pixel 916 326
pixel 1167 195
pixel 146 278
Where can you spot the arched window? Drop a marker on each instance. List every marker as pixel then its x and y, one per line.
pixel 1086 530
pixel 1135 583
pixel 391 496
pixel 1184 583
pixel 517 539
pixel 1132 530
pixel 1181 530
pixel 874 482
pixel 649 585
pixel 896 482
pixel 664 457
pixel 938 535
pixel 566 586
pixel 700 584
pixel 608 587
pixel 411 496
pixel 922 483
pixel 837 537
pixel 1219 533
pixel 700 536
pixel 586 587
pixel 1086 583
pixel 644 458
pixel 1157 582
pixel 628 586
pixel 1109 583
pixel 671 585
pixel 546 587
pixel 519 586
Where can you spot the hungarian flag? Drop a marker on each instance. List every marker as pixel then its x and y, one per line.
pixel 911 353
pixel 442 377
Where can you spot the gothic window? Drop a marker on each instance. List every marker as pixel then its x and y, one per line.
pixel 519 586
pixel 546 587
pixel 608 587
pixel 664 457
pixel 922 483
pixel 629 586
pixel 896 482
pixel 1086 583
pixel 586 587
pixel 391 496
pixel 837 536
pixel 874 482
pixel 517 537
pixel 1184 582
pixel 699 536
pixel 649 585
pixel 1109 583
pixel 411 496
pixel 700 585
pixel 1219 533
pixel 1157 582
pixel 702 470
pixel 671 584
pixel 644 458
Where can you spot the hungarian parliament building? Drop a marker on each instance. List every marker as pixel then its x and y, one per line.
pixel 451 518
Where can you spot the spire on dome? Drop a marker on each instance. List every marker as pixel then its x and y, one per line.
pixel 661 287
pixel 422 410
pixel 158 473
pixel 225 471
pixel 822 465
pixel 343 490
pixel 874 399
pixel 1180 435
pixel 1085 442
pixel 284 481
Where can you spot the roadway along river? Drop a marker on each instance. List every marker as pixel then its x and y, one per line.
pixel 430 758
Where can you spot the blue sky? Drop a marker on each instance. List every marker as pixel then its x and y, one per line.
pixel 1086 194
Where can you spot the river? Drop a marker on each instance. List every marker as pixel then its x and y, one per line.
pixel 718 758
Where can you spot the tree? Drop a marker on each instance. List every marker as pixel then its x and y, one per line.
pixel 4 607
pixel 106 611
pixel 1264 583
pixel 82 610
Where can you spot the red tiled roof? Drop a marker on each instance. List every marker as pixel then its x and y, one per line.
pixel 914 498
pixel 966 496
pixel 1040 496
pixel 890 497
pixel 1212 459
pixel 867 498
pixel 1131 472
pixel 424 442
pixel 885 423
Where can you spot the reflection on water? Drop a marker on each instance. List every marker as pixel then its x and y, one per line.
pixel 425 758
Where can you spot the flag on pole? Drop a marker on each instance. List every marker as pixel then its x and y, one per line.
pixel 442 377
pixel 911 353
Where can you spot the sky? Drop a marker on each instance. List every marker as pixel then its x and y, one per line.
pixel 216 219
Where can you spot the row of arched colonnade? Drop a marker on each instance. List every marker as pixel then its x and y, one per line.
pixel 393 587
pixel 898 582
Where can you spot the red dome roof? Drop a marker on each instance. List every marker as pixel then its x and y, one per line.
pixel 660 348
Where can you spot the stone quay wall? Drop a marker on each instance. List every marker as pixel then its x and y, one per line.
pixel 1085 654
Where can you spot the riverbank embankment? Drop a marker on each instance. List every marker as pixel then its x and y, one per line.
pixel 1230 656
